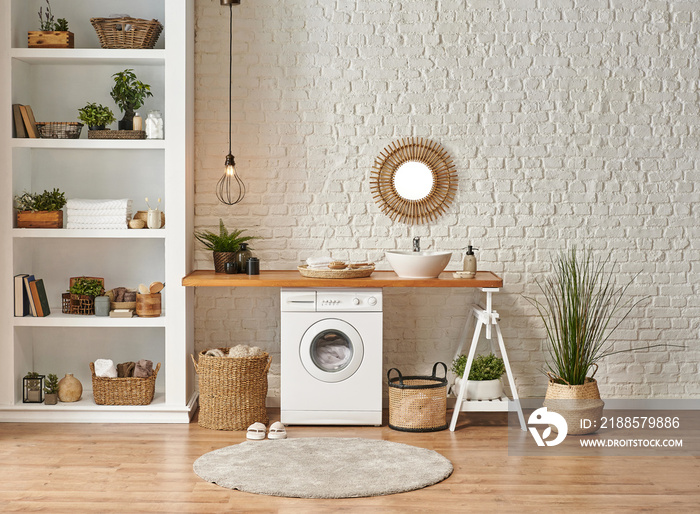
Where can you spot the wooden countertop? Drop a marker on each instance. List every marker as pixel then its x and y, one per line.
pixel 292 278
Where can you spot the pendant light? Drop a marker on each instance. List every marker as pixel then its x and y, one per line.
pixel 230 189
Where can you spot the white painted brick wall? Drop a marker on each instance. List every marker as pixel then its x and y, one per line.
pixel 569 121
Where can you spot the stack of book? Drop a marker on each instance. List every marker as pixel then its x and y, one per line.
pixel 30 296
pixel 25 124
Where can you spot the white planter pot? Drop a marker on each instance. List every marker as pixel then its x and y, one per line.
pixel 480 389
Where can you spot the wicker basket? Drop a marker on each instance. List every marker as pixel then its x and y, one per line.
pixel 123 391
pixel 59 129
pixel 127 32
pixel 362 272
pixel 232 390
pixel 576 403
pixel 116 134
pixel 418 403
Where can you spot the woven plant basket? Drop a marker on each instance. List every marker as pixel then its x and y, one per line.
pixel 418 403
pixel 123 391
pixel 116 134
pixel 59 129
pixel 575 404
pixel 220 260
pixel 127 32
pixel 232 390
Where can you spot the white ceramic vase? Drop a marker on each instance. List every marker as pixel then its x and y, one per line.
pixel 480 389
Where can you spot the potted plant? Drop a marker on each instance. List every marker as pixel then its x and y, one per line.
pixel 224 244
pixel 96 116
pixel 80 298
pixel 581 309
pixel 53 34
pixel 51 390
pixel 129 93
pixel 40 210
pixel 484 382
pixel 32 386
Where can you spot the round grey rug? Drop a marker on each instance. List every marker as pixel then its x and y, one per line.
pixel 323 467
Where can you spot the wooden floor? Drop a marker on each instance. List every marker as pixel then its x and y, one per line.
pixel 148 468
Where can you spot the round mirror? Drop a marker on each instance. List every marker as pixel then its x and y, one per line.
pixel 413 180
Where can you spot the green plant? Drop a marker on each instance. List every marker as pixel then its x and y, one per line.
pixel 484 367
pixel 223 241
pixel 31 374
pixel 46 19
pixel 46 201
pixel 94 115
pixel 51 385
pixel 61 25
pixel 582 307
pixel 87 286
pixel 128 92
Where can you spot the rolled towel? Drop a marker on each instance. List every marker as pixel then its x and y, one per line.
pixel 215 352
pixel 105 368
pixel 243 350
pixel 126 369
pixel 143 369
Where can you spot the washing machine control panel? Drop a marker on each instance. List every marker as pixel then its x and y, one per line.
pixel 362 300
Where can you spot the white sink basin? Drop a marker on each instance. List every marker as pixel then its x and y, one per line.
pixel 418 264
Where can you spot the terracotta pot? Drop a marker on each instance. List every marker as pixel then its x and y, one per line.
pixel 69 389
pixel 580 405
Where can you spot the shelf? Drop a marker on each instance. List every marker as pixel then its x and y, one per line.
pixel 90 144
pixel 292 278
pixel 91 56
pixel 58 319
pixel 72 233
pixel 86 411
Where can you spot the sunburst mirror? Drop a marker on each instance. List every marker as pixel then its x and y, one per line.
pixel 413 180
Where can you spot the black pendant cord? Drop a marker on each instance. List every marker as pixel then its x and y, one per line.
pixel 230 70
pixel 230 189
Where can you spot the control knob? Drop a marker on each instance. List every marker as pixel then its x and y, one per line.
pixel 356 301
pixel 372 300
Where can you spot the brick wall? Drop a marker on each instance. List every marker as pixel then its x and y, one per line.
pixel 570 122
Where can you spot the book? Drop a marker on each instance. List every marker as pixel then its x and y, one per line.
pixel 21 298
pixel 28 280
pixel 19 122
pixel 29 121
pixel 43 299
pixel 35 299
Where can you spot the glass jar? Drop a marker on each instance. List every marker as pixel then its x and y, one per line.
pixel 242 256
pixel 154 125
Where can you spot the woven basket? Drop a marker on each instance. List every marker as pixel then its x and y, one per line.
pixel 123 391
pixel 59 129
pixel 364 271
pixel 116 134
pixel 127 32
pixel 418 403
pixel 576 403
pixel 232 390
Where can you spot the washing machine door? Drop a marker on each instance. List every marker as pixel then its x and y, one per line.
pixel 331 350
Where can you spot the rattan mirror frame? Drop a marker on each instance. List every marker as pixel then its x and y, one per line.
pixel 435 157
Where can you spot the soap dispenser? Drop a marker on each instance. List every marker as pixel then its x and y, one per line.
pixel 470 260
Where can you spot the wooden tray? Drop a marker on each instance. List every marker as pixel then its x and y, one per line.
pixel 362 272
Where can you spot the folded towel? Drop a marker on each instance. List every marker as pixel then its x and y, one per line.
pixel 125 369
pixel 214 352
pixel 322 261
pixel 92 205
pixel 97 220
pixel 143 369
pixel 107 226
pixel 91 216
pixel 105 368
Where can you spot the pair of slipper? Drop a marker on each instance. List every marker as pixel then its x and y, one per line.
pixel 256 431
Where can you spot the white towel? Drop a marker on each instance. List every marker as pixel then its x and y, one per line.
pixel 331 355
pixel 319 262
pixel 105 368
pixel 96 220
pixel 96 205
pixel 106 226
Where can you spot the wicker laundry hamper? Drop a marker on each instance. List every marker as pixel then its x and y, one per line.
pixel 232 390
pixel 418 403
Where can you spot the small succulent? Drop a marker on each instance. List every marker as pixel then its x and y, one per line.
pixel 61 25
pixel 46 201
pixel 96 115
pixel 51 385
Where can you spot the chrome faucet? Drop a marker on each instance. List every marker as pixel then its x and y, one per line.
pixel 416 244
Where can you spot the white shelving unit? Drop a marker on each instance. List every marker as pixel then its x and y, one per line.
pixel 56 83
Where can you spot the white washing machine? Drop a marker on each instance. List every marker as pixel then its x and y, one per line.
pixel 331 353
